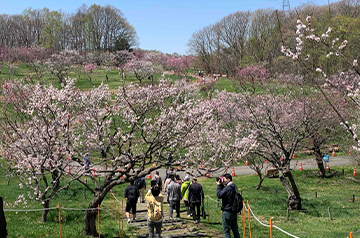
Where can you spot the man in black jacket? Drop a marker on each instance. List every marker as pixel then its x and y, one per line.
pixel 226 191
pixel 196 195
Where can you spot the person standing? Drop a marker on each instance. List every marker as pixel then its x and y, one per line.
pixel 131 195
pixel 155 211
pixel 185 194
pixel 140 183
pixel 174 197
pixel 196 196
pixel 167 181
pixel 226 191
pixel 158 180
pixel 86 162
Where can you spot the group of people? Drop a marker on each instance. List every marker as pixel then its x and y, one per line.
pixel 192 194
pixel 187 189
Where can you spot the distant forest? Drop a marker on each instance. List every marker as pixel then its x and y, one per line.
pixel 247 38
pixel 88 29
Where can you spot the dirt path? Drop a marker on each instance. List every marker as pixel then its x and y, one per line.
pixel 178 227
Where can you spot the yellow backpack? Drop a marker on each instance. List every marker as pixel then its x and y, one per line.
pixel 155 210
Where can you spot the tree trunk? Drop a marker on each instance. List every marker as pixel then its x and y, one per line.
pixel 45 211
pixel 89 226
pixel 320 163
pixel 261 179
pixel 294 199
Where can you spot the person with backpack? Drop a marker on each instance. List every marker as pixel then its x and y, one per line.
pixel 155 211
pixel 185 194
pixel 140 183
pixel 157 179
pixel 196 196
pixel 131 195
pixel 226 190
pixel 174 197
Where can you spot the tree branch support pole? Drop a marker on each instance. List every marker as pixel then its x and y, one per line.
pixel 270 228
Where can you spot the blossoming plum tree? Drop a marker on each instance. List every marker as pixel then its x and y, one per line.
pixel 37 135
pixel 279 123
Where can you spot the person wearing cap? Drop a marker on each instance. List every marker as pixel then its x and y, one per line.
pixel 226 190
pixel 196 196
pixel 185 193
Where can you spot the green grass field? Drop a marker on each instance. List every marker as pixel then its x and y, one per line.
pixel 270 202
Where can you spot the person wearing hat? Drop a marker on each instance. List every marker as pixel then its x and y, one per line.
pixel 196 196
pixel 185 193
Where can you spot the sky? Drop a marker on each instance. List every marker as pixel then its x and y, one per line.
pixel 163 25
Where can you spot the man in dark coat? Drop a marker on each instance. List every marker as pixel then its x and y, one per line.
pixel 226 191
pixel 196 196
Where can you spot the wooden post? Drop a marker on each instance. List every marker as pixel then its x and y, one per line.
pixel 243 219
pixel 207 204
pixel 99 218
pixel 122 215
pixel 316 194
pixel 247 203
pixel 287 214
pixel 111 203
pixel 118 211
pixel 329 213
pixel 270 228
pixel 59 220
pixel 353 198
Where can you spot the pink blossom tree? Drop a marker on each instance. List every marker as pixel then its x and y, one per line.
pixel 60 63
pixel 280 124
pixel 251 77
pixel 37 136
pixel 133 129
pixel 141 68
pixel 180 64
pixel 89 69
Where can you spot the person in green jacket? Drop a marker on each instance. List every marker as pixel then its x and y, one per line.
pixel 185 194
